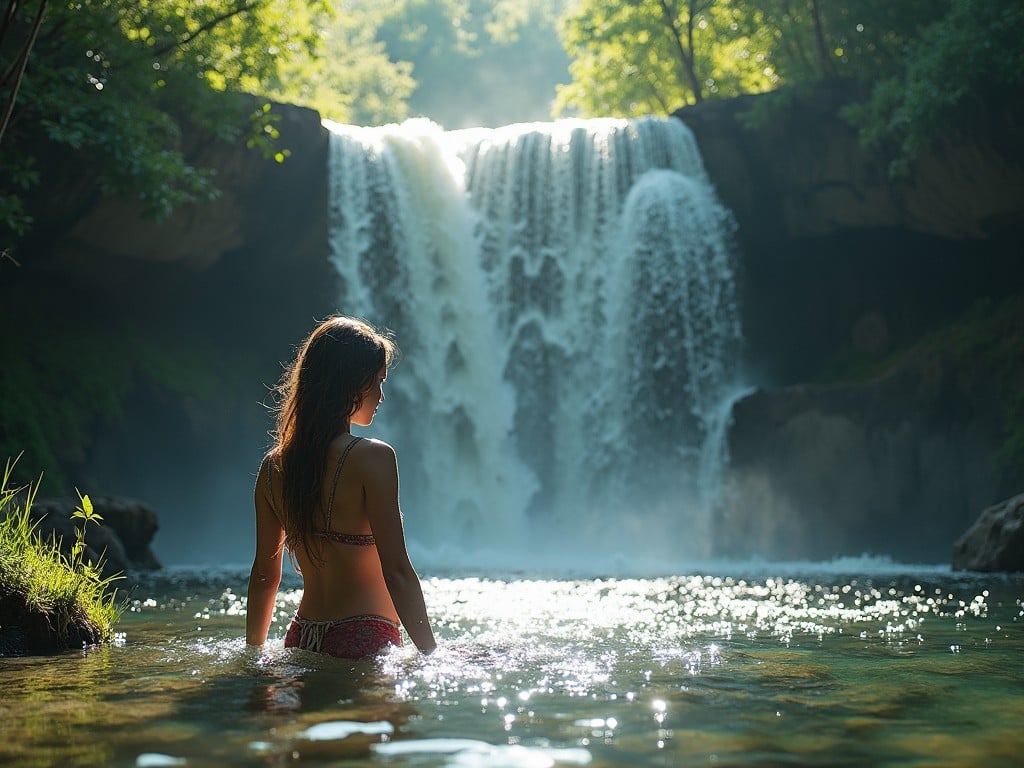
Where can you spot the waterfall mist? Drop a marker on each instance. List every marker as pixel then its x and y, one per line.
pixel 564 296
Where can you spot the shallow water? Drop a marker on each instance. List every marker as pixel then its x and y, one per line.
pixel 768 665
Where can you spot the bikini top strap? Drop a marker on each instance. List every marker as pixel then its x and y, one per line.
pixel 334 483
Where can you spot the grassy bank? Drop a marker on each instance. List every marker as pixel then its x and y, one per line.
pixel 49 602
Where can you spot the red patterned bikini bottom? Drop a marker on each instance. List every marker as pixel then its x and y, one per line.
pixel 352 638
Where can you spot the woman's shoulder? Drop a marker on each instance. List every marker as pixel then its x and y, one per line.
pixel 373 449
pixel 267 476
pixel 372 455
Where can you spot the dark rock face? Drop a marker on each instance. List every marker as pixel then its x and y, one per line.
pixel 898 465
pixel 840 261
pixel 833 251
pixel 263 209
pixel 124 538
pixel 799 171
pixel 996 540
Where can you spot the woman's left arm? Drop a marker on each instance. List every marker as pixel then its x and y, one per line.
pixel 265 577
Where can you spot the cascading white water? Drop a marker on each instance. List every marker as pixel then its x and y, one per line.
pixel 564 296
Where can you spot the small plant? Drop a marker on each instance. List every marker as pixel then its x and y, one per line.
pixel 49 601
pixel 85 512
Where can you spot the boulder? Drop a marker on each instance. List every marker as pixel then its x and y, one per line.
pixel 123 538
pixel 996 540
pixel 135 524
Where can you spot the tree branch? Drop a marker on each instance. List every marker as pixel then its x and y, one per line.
pixel 20 67
pixel 792 39
pixel 655 93
pixel 245 7
pixel 9 14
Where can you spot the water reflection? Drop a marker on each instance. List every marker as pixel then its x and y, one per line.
pixel 292 680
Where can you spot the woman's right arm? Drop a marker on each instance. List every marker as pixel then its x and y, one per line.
pixel 380 481
pixel 265 576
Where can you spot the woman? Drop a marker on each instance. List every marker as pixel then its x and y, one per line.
pixel 331 499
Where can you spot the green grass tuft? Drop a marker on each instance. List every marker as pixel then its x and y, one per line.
pixel 63 594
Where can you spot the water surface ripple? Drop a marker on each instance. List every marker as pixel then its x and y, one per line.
pixel 778 666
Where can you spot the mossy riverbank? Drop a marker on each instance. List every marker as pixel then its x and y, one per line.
pixel 49 602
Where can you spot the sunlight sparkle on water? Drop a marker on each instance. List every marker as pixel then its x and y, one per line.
pixel 614 672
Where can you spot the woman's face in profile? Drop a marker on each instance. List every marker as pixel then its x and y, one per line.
pixel 372 398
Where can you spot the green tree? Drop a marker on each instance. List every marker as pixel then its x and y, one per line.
pixel 350 77
pixel 10 79
pixel 909 66
pixel 634 57
pixel 970 59
pixel 114 81
pixel 649 56
pixel 814 40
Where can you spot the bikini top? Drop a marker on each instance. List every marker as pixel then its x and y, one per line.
pixel 355 539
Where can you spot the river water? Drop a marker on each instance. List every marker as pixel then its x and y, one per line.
pixel 745 664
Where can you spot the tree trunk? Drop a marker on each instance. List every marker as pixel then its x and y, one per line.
pixel 670 16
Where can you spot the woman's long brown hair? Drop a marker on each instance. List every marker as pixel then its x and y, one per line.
pixel 318 394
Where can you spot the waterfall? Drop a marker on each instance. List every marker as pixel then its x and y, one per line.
pixel 565 301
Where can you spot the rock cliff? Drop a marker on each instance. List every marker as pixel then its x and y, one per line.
pixel 210 301
pixel 792 168
pixel 897 464
pixel 845 272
